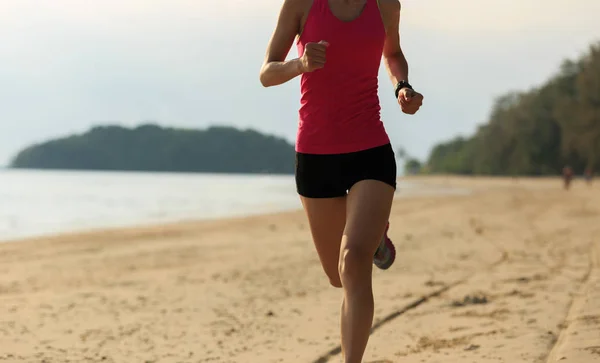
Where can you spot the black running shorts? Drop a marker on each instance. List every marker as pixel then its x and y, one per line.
pixel 331 176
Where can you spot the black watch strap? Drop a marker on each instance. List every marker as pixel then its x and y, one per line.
pixel 400 85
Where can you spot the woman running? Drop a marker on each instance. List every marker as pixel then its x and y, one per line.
pixel 345 165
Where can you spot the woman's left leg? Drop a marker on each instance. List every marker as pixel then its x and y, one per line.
pixel 367 211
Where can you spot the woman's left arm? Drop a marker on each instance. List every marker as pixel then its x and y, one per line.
pixel 395 62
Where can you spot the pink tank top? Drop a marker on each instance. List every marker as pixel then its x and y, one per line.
pixel 339 108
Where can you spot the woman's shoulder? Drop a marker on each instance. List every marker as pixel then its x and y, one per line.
pixel 389 6
pixel 390 10
pixel 299 5
pixel 301 8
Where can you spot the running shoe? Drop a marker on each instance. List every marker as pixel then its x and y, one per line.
pixel 386 252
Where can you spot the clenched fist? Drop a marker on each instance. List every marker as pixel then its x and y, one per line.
pixel 410 101
pixel 314 56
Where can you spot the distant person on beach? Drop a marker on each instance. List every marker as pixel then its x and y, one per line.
pixel 345 164
pixel 588 175
pixel 567 176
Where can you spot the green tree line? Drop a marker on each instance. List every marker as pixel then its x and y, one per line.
pixel 536 132
pixel 154 148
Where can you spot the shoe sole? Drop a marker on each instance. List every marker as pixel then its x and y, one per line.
pixel 392 258
pixel 392 249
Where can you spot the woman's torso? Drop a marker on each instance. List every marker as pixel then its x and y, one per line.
pixel 340 110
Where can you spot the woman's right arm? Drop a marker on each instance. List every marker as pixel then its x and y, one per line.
pixel 275 69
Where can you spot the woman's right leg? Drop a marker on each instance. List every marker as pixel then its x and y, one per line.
pixel 327 219
pixel 323 195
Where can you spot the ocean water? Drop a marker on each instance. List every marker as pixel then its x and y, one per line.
pixel 34 203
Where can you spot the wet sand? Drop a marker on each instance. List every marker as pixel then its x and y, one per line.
pixel 507 273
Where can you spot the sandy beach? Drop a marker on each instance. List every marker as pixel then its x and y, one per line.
pixel 507 273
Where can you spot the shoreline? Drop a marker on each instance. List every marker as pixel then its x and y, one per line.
pixel 409 190
pixel 415 187
pixel 150 226
pixel 149 230
pixel 75 202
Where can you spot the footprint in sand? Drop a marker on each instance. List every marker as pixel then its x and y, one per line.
pixel 498 314
pixel 591 319
pixel 594 349
pixel 432 283
pixel 520 294
pixel 479 299
pixel 526 280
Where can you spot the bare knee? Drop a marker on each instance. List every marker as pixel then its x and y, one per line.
pixel 354 267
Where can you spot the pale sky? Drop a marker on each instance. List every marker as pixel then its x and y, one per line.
pixel 71 64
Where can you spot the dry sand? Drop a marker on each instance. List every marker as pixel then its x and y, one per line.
pixel 509 273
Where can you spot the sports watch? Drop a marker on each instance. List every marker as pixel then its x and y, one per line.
pixel 400 85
